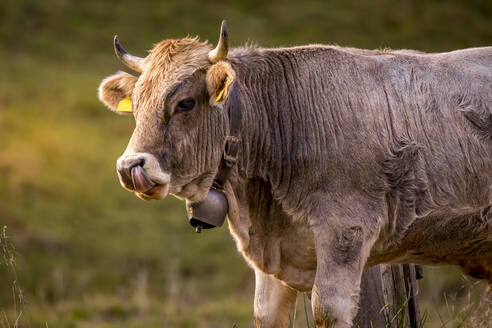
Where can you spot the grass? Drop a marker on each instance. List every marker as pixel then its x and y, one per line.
pixel 7 259
pixel 465 306
pixel 88 253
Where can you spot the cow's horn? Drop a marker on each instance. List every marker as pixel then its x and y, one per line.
pixel 129 60
pixel 220 52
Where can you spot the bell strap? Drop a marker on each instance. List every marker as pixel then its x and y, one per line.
pixel 232 142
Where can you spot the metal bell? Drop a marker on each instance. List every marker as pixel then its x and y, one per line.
pixel 209 213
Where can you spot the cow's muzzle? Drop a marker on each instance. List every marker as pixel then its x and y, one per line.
pixel 142 174
pixel 140 180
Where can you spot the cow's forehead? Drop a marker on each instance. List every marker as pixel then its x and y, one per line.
pixel 185 51
pixel 168 63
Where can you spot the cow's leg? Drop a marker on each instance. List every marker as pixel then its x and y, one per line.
pixel 343 235
pixel 274 302
pixel 336 287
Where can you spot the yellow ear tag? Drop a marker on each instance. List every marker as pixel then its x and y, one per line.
pixel 125 105
pixel 219 97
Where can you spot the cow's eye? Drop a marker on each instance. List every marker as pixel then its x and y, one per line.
pixel 186 104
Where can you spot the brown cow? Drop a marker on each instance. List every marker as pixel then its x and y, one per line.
pixel 348 158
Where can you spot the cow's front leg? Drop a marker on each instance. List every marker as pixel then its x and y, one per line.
pixel 274 302
pixel 342 243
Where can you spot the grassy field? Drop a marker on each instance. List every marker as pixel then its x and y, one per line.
pixel 89 254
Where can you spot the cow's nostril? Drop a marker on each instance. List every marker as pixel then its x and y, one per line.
pixel 127 165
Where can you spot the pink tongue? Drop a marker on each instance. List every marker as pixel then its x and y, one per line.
pixel 141 182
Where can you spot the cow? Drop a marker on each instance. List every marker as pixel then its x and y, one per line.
pixel 347 158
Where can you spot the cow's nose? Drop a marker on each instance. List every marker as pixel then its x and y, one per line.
pixel 124 166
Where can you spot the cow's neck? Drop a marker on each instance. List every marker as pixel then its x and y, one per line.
pixel 274 86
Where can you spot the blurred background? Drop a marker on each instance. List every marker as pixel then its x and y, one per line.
pixel 79 251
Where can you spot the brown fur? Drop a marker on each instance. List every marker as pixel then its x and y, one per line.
pixel 349 158
pixel 166 65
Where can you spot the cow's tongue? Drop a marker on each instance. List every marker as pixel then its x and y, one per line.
pixel 141 182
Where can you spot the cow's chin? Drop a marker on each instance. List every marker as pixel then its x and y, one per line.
pixel 158 192
pixel 191 192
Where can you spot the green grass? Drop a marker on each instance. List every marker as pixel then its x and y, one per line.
pixel 83 242
pixel 88 253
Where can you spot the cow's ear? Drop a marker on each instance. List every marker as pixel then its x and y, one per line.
pixel 115 89
pixel 220 78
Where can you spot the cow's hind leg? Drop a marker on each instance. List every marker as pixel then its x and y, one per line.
pixel 274 302
pixel 343 234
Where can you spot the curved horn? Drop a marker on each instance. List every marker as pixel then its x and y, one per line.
pixel 220 52
pixel 129 60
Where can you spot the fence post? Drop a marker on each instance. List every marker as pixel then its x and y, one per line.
pixel 389 297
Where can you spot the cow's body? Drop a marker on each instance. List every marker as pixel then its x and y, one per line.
pixel 412 131
pixel 348 158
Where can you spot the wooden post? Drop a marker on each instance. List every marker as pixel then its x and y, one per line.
pixel 389 297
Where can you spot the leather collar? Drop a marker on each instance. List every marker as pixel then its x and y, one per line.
pixel 233 140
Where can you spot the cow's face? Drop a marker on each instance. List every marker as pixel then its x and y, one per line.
pixel 181 124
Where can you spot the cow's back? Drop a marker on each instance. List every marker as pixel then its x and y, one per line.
pixel 430 116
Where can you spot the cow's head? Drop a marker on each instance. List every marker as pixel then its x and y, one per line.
pixel 178 105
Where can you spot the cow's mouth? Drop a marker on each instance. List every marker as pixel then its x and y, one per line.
pixel 145 188
pixel 141 182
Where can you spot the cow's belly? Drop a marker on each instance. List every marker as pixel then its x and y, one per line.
pixel 464 240
pixel 443 239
